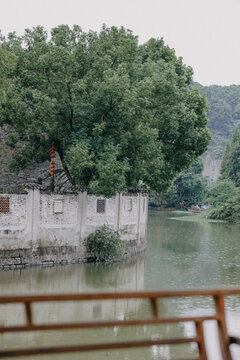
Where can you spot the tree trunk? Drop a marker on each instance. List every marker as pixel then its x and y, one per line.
pixel 64 165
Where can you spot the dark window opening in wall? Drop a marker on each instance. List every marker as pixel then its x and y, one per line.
pixel 101 205
pixel 4 205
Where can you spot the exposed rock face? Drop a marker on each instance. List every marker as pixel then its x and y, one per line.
pixel 33 173
pixel 212 167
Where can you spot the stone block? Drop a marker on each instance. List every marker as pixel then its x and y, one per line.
pixel 7 261
pixel 15 253
pixel 17 260
pixel 20 266
pixel 45 263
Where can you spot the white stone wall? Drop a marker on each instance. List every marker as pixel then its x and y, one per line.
pixel 37 220
pixel 17 216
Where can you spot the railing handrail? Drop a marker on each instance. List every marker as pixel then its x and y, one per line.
pixel 153 296
pixel 117 295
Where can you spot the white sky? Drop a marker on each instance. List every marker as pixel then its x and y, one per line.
pixel 206 33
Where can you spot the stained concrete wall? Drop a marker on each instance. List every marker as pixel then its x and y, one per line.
pixel 47 229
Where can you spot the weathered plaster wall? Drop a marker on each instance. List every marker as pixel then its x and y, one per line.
pixel 47 229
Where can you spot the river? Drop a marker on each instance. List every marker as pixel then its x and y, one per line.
pixel 180 255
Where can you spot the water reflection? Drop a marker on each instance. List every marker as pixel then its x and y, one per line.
pixel 180 255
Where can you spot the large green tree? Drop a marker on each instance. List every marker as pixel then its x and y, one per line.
pixel 119 113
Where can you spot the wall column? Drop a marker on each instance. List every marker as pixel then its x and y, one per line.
pixel 119 210
pixel 32 231
pixel 83 210
pixel 139 216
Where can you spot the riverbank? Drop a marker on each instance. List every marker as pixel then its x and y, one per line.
pixel 188 216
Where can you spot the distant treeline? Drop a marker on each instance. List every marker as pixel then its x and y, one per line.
pixel 223 113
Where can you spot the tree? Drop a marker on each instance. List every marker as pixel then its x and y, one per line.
pixel 230 168
pixel 118 112
pixel 188 189
pixel 7 65
pixel 229 210
pixel 225 161
pixel 221 192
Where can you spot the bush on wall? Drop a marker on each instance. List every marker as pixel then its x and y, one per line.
pixel 105 244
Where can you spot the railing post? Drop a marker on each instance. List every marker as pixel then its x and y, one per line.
pixel 154 306
pixel 222 328
pixel 201 342
pixel 28 311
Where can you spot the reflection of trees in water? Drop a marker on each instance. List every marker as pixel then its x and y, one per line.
pixel 180 255
pixel 193 254
pixel 128 275
pixel 115 275
pixel 170 234
pixel 125 276
pixel 226 249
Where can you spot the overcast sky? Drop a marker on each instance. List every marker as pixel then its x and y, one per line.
pixel 206 33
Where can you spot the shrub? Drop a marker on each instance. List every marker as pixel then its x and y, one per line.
pixel 105 244
pixel 229 211
pixel 221 192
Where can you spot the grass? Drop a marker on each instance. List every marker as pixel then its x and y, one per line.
pixel 201 217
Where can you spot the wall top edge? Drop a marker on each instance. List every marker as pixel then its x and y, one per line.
pixel 26 191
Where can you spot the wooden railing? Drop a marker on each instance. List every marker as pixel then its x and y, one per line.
pixel 219 316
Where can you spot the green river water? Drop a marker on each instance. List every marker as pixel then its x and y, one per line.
pixel 180 255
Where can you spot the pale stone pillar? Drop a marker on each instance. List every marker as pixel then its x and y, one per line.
pixel 32 230
pixel 119 211
pixel 139 217
pixel 82 214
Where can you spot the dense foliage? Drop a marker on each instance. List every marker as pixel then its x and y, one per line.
pixel 225 195
pixel 228 211
pixel 223 113
pixel 189 188
pixel 220 192
pixel 104 245
pixel 230 168
pixel 118 112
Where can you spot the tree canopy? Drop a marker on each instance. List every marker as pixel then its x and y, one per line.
pixel 225 195
pixel 120 114
pixel 230 167
pixel 188 188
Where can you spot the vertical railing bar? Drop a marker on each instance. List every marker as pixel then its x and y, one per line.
pixel 28 311
pixel 201 342
pixel 154 306
pixel 222 327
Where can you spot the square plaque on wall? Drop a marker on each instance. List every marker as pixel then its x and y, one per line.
pixel 57 206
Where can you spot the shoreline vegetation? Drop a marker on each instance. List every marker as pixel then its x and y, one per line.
pixel 190 190
pixel 200 217
pixel 183 215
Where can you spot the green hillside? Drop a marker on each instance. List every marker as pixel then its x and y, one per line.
pixel 224 114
